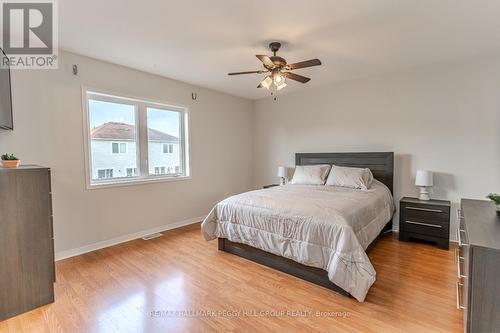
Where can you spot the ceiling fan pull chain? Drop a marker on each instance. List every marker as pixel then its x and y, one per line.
pixel 274 93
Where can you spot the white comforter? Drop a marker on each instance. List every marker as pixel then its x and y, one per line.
pixel 321 226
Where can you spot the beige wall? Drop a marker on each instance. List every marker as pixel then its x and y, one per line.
pixel 49 131
pixel 444 118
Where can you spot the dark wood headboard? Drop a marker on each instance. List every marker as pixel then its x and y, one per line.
pixel 381 164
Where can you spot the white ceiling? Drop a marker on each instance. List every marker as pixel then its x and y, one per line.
pixel 200 41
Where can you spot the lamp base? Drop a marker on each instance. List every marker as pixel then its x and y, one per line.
pixel 424 194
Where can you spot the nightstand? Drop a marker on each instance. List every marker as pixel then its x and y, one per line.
pixel 427 220
pixel 270 185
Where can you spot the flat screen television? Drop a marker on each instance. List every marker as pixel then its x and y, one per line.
pixel 6 121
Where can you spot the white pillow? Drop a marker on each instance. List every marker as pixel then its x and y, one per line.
pixel 358 178
pixel 310 174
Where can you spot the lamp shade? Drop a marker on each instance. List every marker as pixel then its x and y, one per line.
pixel 424 178
pixel 266 83
pixel 282 172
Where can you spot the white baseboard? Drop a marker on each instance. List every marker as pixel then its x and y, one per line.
pixel 125 238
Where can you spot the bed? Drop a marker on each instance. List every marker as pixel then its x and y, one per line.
pixel 314 232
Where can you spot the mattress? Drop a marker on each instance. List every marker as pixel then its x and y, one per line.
pixel 321 226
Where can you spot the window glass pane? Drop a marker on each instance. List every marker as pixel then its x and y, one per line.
pixel 123 148
pixel 164 132
pixel 131 172
pixel 112 124
pixel 104 173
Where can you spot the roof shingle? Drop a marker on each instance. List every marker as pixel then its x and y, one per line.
pixel 122 131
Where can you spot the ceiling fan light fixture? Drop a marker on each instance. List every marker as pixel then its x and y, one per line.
pixel 282 85
pixel 279 70
pixel 278 78
pixel 266 83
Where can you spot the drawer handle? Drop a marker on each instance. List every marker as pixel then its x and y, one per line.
pixel 457 261
pixel 457 256
pixel 459 232
pixel 425 209
pixel 459 306
pixel 425 224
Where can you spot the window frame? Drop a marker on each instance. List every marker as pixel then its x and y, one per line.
pixel 141 105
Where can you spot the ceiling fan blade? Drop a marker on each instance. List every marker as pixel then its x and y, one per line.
pixel 304 64
pixel 296 77
pixel 268 63
pixel 249 72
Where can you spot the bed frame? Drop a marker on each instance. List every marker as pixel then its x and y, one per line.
pixel 382 167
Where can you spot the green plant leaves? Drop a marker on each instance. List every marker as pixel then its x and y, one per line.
pixel 9 157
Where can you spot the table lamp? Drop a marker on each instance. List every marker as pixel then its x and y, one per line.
pixel 283 174
pixel 424 180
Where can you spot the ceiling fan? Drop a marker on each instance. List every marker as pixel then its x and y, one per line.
pixel 279 69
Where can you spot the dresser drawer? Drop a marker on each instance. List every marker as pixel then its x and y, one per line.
pixel 424 213
pixel 462 262
pixel 431 228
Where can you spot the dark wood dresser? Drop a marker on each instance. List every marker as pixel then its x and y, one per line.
pixel 428 220
pixel 478 266
pixel 27 270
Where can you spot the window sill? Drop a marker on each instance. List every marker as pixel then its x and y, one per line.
pixel 138 181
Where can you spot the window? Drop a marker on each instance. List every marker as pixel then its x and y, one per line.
pixel 104 173
pixel 118 147
pixel 130 138
pixel 165 129
pixel 159 170
pixel 168 148
pixel 131 172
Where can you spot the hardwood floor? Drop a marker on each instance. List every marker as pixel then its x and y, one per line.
pixel 132 287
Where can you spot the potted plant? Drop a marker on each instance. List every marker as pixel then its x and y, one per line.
pixel 10 161
pixel 496 199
